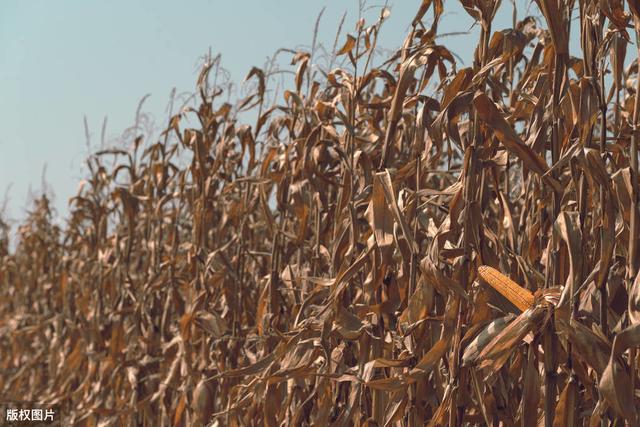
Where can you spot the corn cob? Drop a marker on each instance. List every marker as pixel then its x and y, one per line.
pixel 516 294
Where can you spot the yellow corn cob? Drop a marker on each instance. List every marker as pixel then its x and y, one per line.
pixel 519 296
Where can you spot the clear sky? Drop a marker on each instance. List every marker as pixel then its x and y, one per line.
pixel 64 59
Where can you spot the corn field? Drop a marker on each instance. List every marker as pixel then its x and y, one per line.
pixel 398 241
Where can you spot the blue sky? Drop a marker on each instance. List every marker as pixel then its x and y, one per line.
pixel 62 60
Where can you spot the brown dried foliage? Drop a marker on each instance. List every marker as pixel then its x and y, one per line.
pixel 321 265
